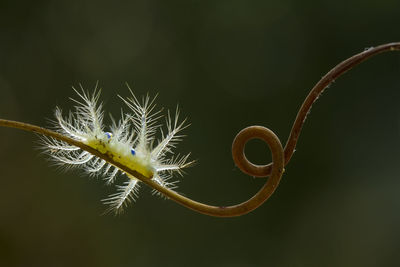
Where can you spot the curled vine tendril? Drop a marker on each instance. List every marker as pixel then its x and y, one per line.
pixel 280 156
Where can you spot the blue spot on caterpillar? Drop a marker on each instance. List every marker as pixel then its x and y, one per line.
pixel 133 152
pixel 108 134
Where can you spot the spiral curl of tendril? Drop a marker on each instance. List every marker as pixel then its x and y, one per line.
pixel 280 156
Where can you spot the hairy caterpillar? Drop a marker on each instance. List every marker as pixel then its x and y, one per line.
pixel 129 141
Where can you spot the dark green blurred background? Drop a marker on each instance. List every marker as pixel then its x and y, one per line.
pixel 229 64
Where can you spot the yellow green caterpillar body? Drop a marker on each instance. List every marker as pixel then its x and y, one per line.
pixel 129 142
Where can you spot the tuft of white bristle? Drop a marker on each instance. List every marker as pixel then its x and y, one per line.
pixel 126 193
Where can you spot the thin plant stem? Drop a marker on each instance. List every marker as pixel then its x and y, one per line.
pixel 280 156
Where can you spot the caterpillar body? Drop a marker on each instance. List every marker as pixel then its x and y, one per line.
pixel 130 141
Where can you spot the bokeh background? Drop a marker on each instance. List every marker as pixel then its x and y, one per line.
pixel 229 64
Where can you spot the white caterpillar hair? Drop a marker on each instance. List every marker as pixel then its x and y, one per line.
pixel 129 141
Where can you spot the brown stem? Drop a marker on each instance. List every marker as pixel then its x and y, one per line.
pixel 280 157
